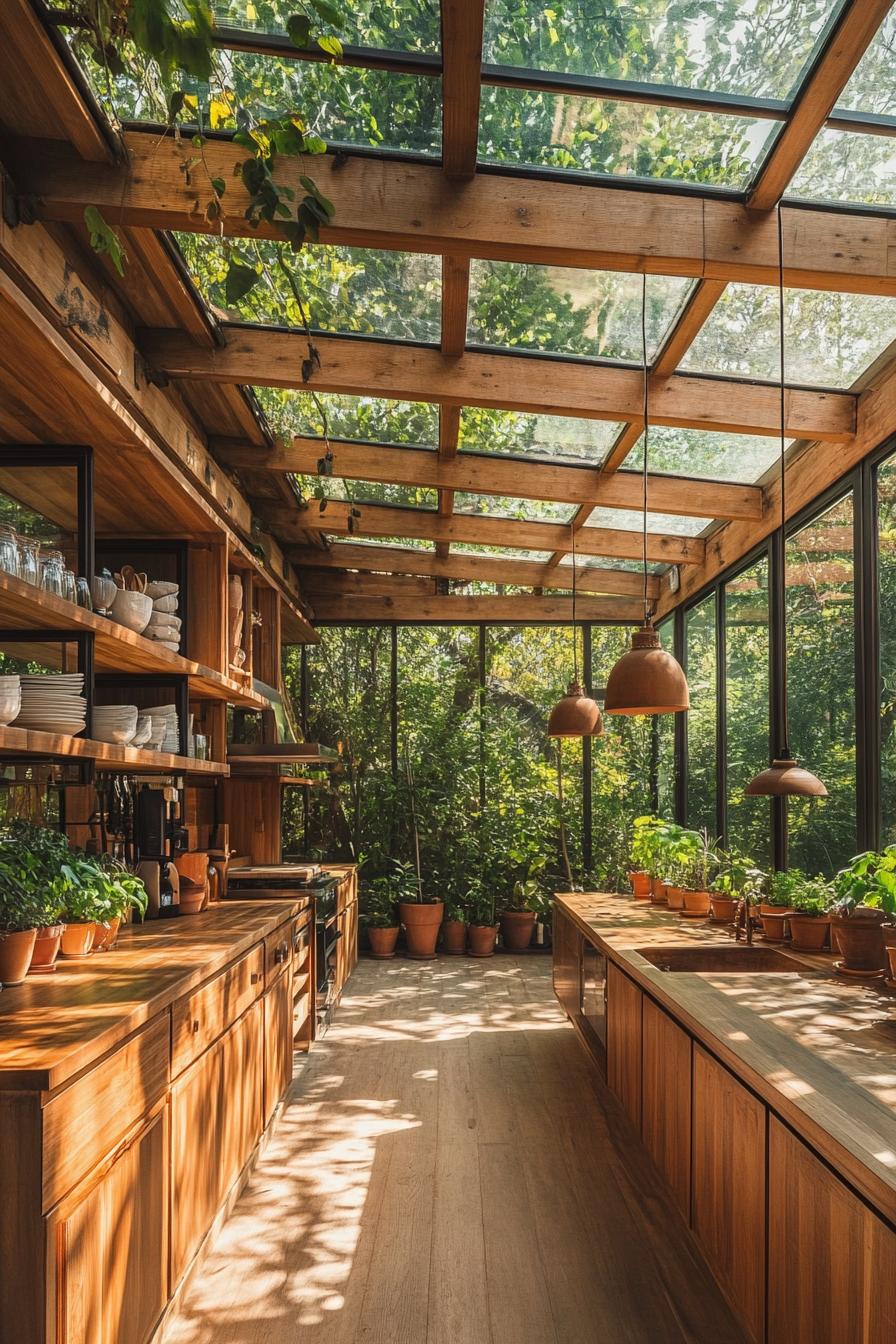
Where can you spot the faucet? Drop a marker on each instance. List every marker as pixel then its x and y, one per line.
pixel 742 921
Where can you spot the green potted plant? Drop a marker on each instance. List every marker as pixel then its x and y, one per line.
pixel 379 912
pixel 35 856
pixel 810 923
pixel 699 867
pixel 728 885
pixel 517 918
pixel 483 928
pixel 119 890
pixel 83 909
pixel 19 918
pixel 776 906
pixel 864 896
pixel 641 855
pixel 454 927
pixel 420 915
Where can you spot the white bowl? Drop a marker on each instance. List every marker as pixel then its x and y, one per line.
pixel 132 610
pixel 9 708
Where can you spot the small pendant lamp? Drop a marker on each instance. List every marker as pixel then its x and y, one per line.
pixel 647 679
pixel 575 714
pixel 784 778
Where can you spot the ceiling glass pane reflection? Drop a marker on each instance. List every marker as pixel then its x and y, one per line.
pixel 551 438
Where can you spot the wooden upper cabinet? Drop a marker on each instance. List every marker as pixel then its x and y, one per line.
pixel 832 1262
pixel 567 963
pixel 666 1100
pixel 624 1000
pixel 728 1179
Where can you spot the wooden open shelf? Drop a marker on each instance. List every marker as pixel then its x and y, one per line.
pixel 116 649
pixel 26 742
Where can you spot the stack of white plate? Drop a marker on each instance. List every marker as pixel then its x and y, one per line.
pixel 10 699
pixel 53 704
pixel 164 717
pixel 114 723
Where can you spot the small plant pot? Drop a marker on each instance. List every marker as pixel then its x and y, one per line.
pixel 640 884
pixel 696 902
pixel 454 937
pixel 382 942
pixel 482 940
pixel 809 933
pixel 517 927
pixel 775 923
pixel 860 940
pixel 658 891
pixel 46 949
pixel 674 897
pixel 106 935
pixel 15 955
pixel 724 908
pixel 421 921
pixel 891 960
pixel 77 941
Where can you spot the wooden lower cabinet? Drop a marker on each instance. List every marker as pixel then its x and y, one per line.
pixel 831 1261
pixel 197 1102
pixel 567 963
pixel 347 946
pixel 728 1183
pixel 666 1099
pixel 624 1001
pixel 107 1248
pixel 277 1006
pixel 242 1087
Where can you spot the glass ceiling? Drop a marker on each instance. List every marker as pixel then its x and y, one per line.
pixel 596 314
pixel 704 453
pixel 365 419
pixel 392 25
pixel 872 87
pixel 632 520
pixel 553 438
pixel 367 492
pixel 829 337
pixel 848 167
pixel 496 506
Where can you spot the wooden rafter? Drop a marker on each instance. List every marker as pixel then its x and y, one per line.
pixel 492 474
pixel 842 52
pixel 411 207
pixel 259 355
pixel 462 22
pixel 438 610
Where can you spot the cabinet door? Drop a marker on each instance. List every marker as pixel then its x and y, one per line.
pixel 831 1261
pixel 109 1248
pixel 196 1117
pixel 624 1000
pixel 728 1187
pixel 666 1100
pixel 277 1043
pixel 242 1065
pixel 567 963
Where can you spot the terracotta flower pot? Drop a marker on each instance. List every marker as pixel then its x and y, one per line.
pixel 482 939
pixel 640 883
pixel 696 902
pixel 454 937
pixel 658 891
pixel 191 896
pixel 860 940
pixel 421 921
pixel 674 897
pixel 724 908
pixel 106 935
pixel 77 940
pixel 517 927
pixel 15 955
pixel 46 949
pixel 809 933
pixel 891 960
pixel 775 923
pixel 382 942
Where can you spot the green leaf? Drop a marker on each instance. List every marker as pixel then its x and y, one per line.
pixel 238 282
pixel 311 187
pixel 298 26
pixel 104 239
pixel 331 45
pixel 314 145
pixel 219 186
pixel 328 13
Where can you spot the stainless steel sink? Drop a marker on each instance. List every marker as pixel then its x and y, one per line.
pixel 736 957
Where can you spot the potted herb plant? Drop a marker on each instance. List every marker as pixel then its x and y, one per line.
pixel 810 923
pixel 641 855
pixel 700 865
pixel 483 928
pixel 379 914
pixel 517 919
pixel 777 904
pixel 119 890
pixel 420 915
pixel 728 886
pixel 19 917
pixel 34 855
pixel 864 896
pixel 454 927
pixel 82 910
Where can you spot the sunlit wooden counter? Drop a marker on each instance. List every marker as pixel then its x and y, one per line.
pixel 768 1103
pixel 135 1088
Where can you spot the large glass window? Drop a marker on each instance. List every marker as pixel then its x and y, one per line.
pixel 663 726
pixel 747 709
pixel 821 686
pixel 700 646
pixel 886 540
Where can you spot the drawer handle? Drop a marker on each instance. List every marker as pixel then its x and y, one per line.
pixel 254 978
pixel 195 1025
pixel 280 954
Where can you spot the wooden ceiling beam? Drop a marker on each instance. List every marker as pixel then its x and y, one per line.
pixel 492 474
pixel 437 610
pixel 463 566
pixel 385 203
pixel 272 357
pixel 462 22
pixel 844 48
pixel 382 520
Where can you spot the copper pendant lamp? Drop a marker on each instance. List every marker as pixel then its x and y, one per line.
pixel 784 778
pixel 647 679
pixel 575 714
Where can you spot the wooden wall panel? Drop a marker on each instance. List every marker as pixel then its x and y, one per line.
pixel 567 963
pixel 624 1000
pixel 666 1100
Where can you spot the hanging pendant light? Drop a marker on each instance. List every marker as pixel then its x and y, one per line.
pixel 784 778
pixel 575 714
pixel 647 679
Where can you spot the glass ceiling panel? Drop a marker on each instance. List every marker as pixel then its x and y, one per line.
pixel 619 139
pixel 365 419
pixel 348 289
pixel 749 47
pixel 408 543
pixel 609 562
pixel 500 552
pixel 392 25
pixel 829 338
pixel 703 453
pixel 494 506
pixel 367 492
pixel 552 438
pixel 568 311
pixel 632 520
pixel 843 166
pixel 872 87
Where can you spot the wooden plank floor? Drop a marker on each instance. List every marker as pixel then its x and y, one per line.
pixel 450 1170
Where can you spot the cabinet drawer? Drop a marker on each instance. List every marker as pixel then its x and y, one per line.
pixel 84 1123
pixel 199 1020
pixel 278 950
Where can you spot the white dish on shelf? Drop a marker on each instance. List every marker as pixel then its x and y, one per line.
pixel 47 679
pixel 66 729
pixel 162 588
pixel 117 737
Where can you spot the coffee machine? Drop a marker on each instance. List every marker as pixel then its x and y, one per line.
pixel 160 837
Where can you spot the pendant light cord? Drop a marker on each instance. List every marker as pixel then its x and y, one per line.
pixel 785 746
pixel 575 637
pixel 646 432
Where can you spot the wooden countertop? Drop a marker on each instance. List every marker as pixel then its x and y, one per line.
pixel 819 1050
pixel 55 1025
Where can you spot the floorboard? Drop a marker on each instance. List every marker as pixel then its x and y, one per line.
pixel 449 1169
